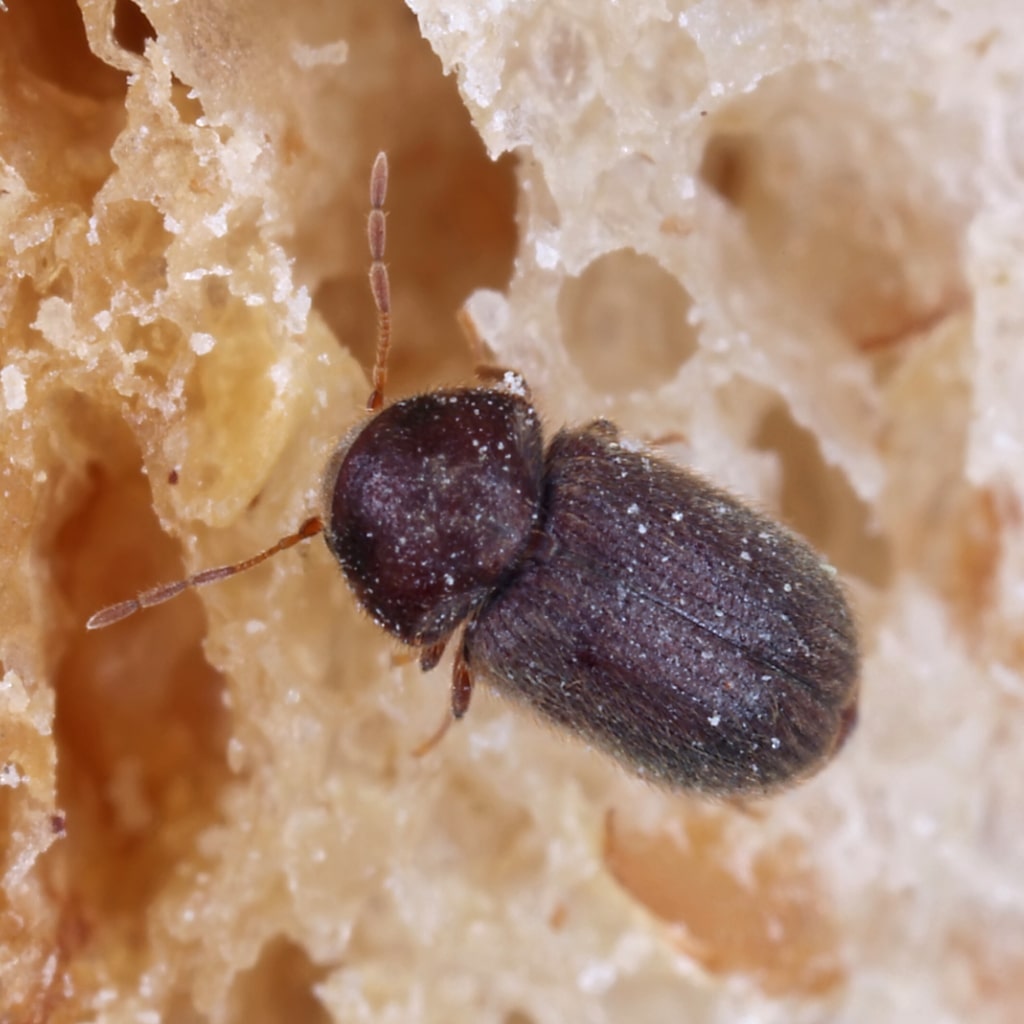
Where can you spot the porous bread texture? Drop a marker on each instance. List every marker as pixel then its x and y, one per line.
pixel 786 239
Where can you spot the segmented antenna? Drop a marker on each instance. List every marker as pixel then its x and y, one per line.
pixel 380 285
pixel 166 591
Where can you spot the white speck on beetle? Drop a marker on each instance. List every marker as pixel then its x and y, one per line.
pixel 633 509
pixel 714 720
pixel 776 743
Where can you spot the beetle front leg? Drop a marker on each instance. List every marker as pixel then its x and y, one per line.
pixel 462 684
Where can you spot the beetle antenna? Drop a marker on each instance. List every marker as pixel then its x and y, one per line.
pixel 166 591
pixel 380 285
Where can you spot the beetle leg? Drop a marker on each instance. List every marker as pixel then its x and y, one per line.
pixel 501 378
pixel 462 684
pixel 603 429
pixel 485 371
pixel 430 656
pixel 462 690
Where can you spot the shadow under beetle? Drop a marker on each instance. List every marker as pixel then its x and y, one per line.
pixel 699 642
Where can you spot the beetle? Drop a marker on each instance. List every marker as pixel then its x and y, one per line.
pixel 621 597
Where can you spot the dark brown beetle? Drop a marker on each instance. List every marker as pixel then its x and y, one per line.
pixel 696 640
